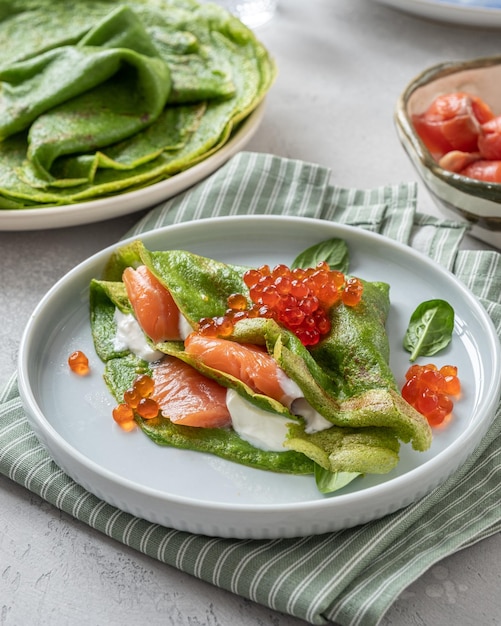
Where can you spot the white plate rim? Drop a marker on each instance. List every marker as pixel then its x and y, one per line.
pixel 129 202
pixel 449 11
pixel 451 456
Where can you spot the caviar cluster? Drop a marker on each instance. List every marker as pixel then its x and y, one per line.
pixel 298 299
pixel 429 390
pixel 137 400
pixel 79 363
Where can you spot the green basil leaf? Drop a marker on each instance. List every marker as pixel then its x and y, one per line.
pixel 327 482
pixel 334 251
pixel 430 328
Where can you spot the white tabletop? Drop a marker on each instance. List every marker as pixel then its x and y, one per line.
pixel 342 65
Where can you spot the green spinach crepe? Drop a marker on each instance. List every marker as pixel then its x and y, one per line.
pixel 345 378
pixel 99 97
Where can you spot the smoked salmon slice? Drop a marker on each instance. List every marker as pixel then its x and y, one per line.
pixel 248 363
pixel 187 397
pixel 154 307
pixel 457 161
pixel 488 171
pixel 489 142
pixel 452 122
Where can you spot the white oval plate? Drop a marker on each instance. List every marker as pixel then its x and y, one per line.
pixel 485 13
pixel 201 493
pixel 125 203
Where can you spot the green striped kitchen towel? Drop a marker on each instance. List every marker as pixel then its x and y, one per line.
pixel 351 576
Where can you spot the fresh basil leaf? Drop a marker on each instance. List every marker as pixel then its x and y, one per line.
pixel 334 251
pixel 328 482
pixel 430 328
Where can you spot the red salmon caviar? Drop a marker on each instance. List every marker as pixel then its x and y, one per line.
pixel 132 397
pixel 237 302
pixel 428 390
pixel 452 385
pixel 144 385
pixel 352 292
pixel 147 408
pixel 79 363
pixel 136 400
pixel 299 299
pixel 123 414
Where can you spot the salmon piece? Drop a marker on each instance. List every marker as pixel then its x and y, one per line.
pixel 246 362
pixel 187 397
pixel 154 307
pixel 489 142
pixel 488 171
pixel 452 122
pixel 431 135
pixel 456 161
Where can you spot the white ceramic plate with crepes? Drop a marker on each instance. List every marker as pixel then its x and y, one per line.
pixel 485 13
pixel 129 202
pixel 200 493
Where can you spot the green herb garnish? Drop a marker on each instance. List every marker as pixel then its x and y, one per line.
pixel 328 482
pixel 333 251
pixel 430 328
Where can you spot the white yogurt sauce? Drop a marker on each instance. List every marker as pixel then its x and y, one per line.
pixel 289 387
pixel 131 337
pixel 314 421
pixel 265 430
pixel 185 328
pixel 262 429
pixel 297 403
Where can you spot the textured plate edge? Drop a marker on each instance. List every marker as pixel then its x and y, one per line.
pixel 449 13
pixel 298 515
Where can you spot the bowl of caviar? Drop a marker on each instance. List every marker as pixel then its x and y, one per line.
pixel 448 119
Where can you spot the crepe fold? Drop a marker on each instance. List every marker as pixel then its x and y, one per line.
pixel 346 378
pixel 104 97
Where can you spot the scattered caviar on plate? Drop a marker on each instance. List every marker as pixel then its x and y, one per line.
pixel 123 415
pixel 79 363
pixel 430 390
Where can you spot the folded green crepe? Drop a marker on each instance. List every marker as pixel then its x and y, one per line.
pixel 104 97
pixel 369 417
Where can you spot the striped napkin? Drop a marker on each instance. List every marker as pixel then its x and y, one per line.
pixel 352 576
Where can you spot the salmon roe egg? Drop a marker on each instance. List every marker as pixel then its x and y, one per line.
pixel 429 389
pixel 237 302
pixel 352 293
pixel 124 416
pixel 224 326
pixel 147 408
pixel 452 385
pixel 298 299
pixel 251 278
pixel 79 363
pixel 144 385
pixel 132 397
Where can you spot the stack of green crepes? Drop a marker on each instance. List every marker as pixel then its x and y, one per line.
pixel 99 97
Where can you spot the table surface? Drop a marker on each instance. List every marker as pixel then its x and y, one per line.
pixel 342 65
